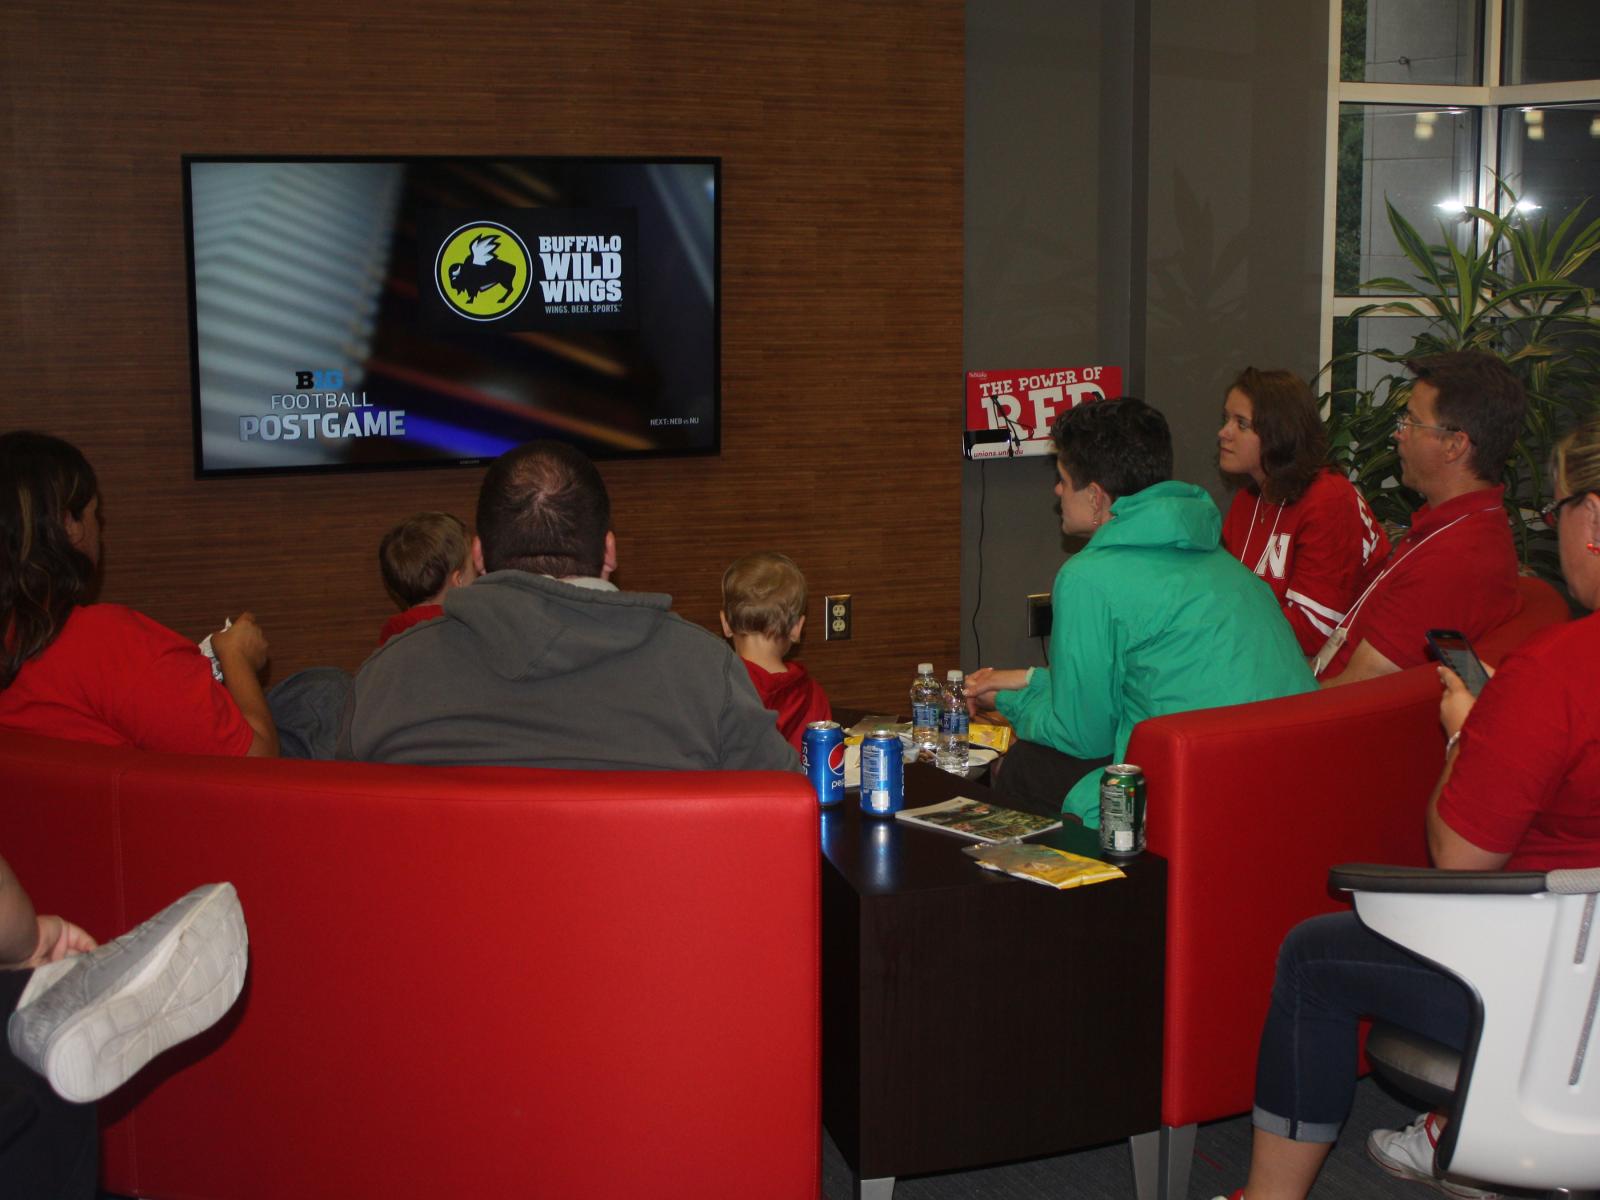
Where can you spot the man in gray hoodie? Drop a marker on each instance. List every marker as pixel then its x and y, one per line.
pixel 543 662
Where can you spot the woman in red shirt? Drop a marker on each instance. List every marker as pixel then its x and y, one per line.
pixel 102 672
pixel 1296 522
pixel 1520 790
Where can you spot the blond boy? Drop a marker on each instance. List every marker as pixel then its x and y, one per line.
pixel 422 558
pixel 763 614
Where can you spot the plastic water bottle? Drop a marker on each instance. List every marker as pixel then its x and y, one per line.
pixel 952 752
pixel 926 699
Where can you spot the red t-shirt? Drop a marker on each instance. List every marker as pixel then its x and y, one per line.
pixel 797 698
pixel 402 621
pixel 1526 779
pixel 1316 554
pixel 1456 568
pixel 116 677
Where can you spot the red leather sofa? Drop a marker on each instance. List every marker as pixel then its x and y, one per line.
pixel 464 981
pixel 1251 805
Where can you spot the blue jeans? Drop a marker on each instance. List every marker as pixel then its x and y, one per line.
pixel 306 708
pixel 1332 971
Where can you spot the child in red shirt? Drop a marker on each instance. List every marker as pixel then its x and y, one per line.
pixel 763 614
pixel 422 558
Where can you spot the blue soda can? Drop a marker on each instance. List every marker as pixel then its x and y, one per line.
pixel 883 782
pixel 822 755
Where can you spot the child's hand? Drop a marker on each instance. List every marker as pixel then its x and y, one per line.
pixel 57 939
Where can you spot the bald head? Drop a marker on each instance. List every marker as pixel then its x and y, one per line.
pixel 543 508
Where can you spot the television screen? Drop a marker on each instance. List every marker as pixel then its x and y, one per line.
pixel 362 312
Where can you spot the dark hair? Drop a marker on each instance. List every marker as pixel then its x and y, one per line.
pixel 543 508
pixel 418 556
pixel 1294 442
pixel 763 593
pixel 1480 396
pixel 1123 445
pixel 43 480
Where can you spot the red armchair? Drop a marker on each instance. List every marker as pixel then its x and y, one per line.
pixel 1251 805
pixel 464 981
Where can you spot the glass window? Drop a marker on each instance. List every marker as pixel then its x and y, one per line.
pixel 1550 156
pixel 1411 41
pixel 1422 160
pixel 1551 41
pixel 1368 334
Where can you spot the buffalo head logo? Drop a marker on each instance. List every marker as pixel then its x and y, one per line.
pixel 482 270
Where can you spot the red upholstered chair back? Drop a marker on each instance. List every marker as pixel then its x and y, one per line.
pixel 463 982
pixel 1251 805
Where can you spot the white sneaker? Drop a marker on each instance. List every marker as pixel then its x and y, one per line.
pixel 1408 1154
pixel 89 1022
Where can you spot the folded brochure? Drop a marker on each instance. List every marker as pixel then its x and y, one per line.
pixel 975 819
pixel 1043 864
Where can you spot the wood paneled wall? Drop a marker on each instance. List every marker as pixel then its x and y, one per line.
pixel 840 127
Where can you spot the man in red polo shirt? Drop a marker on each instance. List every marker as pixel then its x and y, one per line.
pixel 1456 567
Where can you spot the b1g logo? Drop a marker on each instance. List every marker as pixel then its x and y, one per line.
pixel 481 271
pixel 321 381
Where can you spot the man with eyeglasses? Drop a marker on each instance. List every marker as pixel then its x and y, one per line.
pixel 1456 567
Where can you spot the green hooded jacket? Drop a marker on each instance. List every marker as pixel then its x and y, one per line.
pixel 1153 616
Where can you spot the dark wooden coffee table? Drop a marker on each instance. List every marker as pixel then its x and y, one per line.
pixel 970 1018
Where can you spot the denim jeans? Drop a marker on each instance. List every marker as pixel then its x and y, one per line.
pixel 306 708
pixel 1332 971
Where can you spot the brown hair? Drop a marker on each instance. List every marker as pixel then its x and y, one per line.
pixel 1294 442
pixel 43 576
pixel 418 556
pixel 763 593
pixel 1575 462
pixel 1479 396
pixel 1124 445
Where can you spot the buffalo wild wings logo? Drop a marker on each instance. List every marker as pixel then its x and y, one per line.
pixel 482 271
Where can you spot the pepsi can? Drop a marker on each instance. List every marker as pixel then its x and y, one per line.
pixel 883 782
pixel 822 755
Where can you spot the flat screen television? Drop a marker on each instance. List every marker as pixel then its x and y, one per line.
pixel 360 313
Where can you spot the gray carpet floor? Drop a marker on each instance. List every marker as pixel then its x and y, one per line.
pixel 1222 1158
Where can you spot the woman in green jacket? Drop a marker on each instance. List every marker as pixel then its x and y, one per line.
pixel 1152 616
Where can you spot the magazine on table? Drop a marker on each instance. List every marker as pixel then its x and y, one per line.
pixel 976 819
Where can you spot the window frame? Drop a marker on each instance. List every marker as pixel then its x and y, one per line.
pixel 1489 99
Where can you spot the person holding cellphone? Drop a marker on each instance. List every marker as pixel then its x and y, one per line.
pixel 1520 790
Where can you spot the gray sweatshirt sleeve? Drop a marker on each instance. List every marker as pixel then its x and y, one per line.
pixel 748 732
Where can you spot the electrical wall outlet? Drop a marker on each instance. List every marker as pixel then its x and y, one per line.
pixel 1039 615
pixel 837 626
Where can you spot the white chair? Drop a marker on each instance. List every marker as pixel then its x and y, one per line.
pixel 1525 1109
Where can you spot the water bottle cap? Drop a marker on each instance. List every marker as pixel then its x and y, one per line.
pixel 924 668
pixel 954 676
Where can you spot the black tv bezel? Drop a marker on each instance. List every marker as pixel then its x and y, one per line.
pixel 202 473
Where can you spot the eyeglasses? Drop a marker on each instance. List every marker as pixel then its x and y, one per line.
pixel 1408 422
pixel 1550 514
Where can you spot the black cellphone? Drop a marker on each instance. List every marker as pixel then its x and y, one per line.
pixel 1452 649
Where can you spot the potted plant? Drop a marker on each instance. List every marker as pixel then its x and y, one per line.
pixel 1516 297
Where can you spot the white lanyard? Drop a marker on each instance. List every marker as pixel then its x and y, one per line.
pixel 1341 631
pixel 1266 551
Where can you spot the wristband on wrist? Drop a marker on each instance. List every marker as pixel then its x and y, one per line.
pixel 1450 743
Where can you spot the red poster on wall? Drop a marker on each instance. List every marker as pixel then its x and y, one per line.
pixel 1020 406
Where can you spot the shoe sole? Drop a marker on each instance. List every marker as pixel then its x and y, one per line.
pixel 1429 1179
pixel 179 987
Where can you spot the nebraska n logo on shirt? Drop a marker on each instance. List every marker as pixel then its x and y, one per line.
pixel 1274 560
